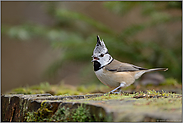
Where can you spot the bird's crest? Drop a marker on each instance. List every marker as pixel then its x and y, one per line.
pixel 100 47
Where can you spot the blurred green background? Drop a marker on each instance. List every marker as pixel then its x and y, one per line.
pixel 54 41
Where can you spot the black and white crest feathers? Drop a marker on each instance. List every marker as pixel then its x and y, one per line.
pixel 98 40
pixel 100 47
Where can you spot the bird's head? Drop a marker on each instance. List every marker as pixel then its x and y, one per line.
pixel 101 54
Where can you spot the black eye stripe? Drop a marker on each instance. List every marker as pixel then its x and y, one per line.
pixel 101 55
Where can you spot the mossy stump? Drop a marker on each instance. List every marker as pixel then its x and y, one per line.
pixel 97 107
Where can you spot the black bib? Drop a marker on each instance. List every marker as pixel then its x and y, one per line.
pixel 96 65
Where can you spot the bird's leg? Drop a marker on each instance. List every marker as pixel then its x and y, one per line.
pixel 119 87
pixel 118 91
pixel 115 89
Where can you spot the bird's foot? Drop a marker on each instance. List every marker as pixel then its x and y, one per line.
pixel 118 89
pixel 117 92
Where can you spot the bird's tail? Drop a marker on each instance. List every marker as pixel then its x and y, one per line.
pixel 157 69
pixel 138 74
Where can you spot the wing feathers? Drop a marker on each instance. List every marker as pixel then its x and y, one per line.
pixel 122 67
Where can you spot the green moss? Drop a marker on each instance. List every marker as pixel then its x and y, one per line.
pixel 41 115
pixel 111 97
pixel 68 92
pixel 152 93
pixel 36 89
pixel 30 117
pixel 61 115
pixel 42 86
pixel 140 94
pixel 81 114
pixel 82 88
pixel 21 91
pixel 60 89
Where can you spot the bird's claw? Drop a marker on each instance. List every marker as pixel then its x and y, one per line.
pixel 117 92
pixel 111 92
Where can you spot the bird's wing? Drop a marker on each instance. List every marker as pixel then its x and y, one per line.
pixel 118 66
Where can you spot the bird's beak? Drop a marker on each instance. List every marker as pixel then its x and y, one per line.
pixel 95 59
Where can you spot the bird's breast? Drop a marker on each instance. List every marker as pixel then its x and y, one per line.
pixel 113 79
pixel 106 78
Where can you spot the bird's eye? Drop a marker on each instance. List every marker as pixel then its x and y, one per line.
pixel 101 55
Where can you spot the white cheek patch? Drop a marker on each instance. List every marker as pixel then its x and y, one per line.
pixel 105 60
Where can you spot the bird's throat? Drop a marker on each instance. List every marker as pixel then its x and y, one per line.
pixel 97 66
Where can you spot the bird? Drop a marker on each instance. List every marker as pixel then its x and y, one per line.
pixel 113 73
